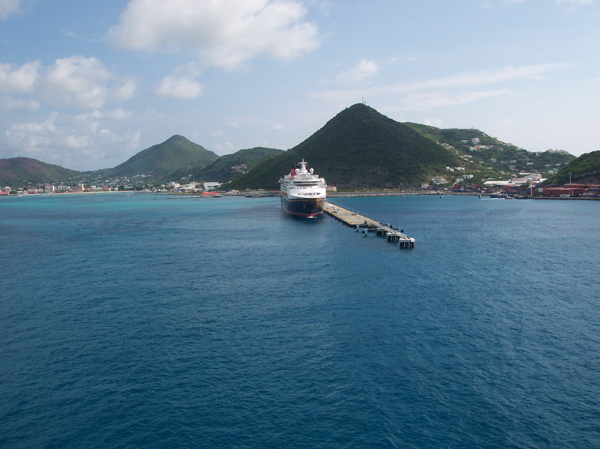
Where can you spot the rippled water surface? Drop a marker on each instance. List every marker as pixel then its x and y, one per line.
pixel 142 321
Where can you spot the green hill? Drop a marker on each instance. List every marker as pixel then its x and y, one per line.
pixel 159 161
pixel 23 171
pixel 359 149
pixel 489 158
pixel 229 166
pixel 583 170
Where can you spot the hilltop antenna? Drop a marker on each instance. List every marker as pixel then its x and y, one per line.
pixel 363 101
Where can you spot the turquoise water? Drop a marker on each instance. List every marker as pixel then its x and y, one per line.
pixel 143 321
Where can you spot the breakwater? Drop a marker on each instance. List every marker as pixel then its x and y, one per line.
pixel 366 225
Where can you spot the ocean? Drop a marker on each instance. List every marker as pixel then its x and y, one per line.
pixel 139 320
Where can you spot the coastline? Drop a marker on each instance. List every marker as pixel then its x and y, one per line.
pixel 356 194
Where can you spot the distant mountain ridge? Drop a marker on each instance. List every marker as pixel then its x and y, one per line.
pixel 24 171
pixel 229 166
pixel 359 149
pixel 159 161
pixel 488 157
pixel 583 170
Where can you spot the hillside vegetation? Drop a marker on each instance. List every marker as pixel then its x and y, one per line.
pixel 359 149
pixel 583 170
pixel 159 161
pixel 227 167
pixel 491 158
pixel 23 171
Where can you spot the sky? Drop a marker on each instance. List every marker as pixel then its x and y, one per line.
pixel 87 84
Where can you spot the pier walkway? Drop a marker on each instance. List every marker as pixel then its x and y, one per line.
pixel 366 225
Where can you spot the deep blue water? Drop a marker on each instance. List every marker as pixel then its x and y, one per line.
pixel 142 321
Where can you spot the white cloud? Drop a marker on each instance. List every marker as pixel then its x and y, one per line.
pixel 19 79
pixel 224 33
pixel 225 148
pixel 437 89
pixel 47 127
pixel 82 142
pixel 576 2
pixel 76 81
pixel 120 114
pixel 124 92
pixel 182 88
pixel 116 115
pixel 181 83
pixel 8 7
pixel 474 79
pixel 81 82
pixel 8 103
pixel 364 70
pixel 425 101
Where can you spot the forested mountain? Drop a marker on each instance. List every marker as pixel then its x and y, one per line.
pixel 159 161
pixel 24 171
pixel 489 158
pixel 359 149
pixel 227 167
pixel 583 170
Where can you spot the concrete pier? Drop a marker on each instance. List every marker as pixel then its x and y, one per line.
pixel 365 225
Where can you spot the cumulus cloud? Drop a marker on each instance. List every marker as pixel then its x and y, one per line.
pixel 182 88
pixel 8 7
pixel 364 70
pixel 81 82
pixel 181 83
pixel 224 33
pixel 76 81
pixel 8 103
pixel 19 79
pixel 83 142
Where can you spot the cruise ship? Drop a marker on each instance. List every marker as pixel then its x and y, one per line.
pixel 302 192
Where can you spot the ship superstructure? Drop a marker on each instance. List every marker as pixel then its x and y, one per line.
pixel 302 191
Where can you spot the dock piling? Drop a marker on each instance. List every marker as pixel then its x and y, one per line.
pixel 357 222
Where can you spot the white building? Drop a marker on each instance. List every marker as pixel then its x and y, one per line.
pixel 190 187
pixel 211 185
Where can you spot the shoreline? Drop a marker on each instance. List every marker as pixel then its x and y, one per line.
pixel 357 194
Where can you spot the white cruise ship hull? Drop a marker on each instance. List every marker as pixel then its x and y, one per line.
pixel 301 207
